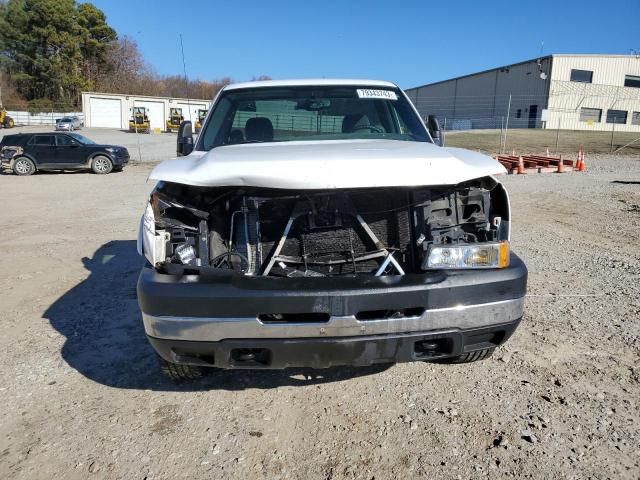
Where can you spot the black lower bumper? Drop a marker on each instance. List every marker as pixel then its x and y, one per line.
pixel 234 295
pixel 228 320
pixel 337 351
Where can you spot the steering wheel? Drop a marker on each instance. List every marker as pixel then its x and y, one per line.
pixel 373 128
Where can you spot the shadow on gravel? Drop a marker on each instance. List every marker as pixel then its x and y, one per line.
pixel 626 182
pixel 105 339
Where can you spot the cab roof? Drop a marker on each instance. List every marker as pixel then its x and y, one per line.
pixel 310 82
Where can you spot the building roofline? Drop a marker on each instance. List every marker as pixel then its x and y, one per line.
pixel 543 57
pixel 186 100
pixel 594 55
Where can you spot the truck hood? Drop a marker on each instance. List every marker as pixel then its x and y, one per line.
pixel 327 164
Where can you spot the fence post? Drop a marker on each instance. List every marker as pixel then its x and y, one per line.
pixel 613 131
pixel 558 133
pixel 506 125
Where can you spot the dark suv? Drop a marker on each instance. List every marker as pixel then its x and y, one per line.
pixel 28 152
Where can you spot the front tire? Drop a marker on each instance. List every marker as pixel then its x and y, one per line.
pixel 180 373
pixel 23 166
pixel 8 122
pixel 101 165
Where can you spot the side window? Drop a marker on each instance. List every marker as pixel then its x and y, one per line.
pixel 65 141
pixel 43 140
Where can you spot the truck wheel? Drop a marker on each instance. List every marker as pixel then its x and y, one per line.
pixel 101 165
pixel 8 122
pixel 470 356
pixel 23 166
pixel 180 373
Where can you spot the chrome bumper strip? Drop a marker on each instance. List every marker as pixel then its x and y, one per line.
pixel 213 329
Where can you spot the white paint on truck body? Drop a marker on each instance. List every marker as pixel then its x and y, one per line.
pixel 328 164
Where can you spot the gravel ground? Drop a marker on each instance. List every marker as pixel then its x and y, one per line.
pixel 82 396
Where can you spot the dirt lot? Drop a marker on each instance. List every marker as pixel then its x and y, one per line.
pixel 82 396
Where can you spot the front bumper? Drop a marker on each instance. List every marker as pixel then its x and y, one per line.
pixel 120 158
pixel 331 321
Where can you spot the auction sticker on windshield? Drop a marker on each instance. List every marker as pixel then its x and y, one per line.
pixel 382 94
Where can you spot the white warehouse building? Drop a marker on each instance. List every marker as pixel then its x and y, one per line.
pixel 114 110
pixel 570 92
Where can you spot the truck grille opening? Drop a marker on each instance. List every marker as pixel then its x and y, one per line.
pixel 368 315
pixel 308 233
pixel 275 318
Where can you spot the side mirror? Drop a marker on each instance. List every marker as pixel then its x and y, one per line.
pixel 185 139
pixel 434 129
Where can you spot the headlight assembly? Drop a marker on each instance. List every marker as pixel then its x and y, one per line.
pixel 479 255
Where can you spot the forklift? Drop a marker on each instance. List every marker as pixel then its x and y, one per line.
pixel 139 121
pixel 201 114
pixel 5 121
pixel 175 119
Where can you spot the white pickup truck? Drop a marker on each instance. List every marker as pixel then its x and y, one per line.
pixel 315 223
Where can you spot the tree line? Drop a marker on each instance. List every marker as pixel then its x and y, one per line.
pixel 52 50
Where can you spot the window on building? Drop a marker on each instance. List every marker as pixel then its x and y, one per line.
pixel 590 115
pixel 616 116
pixel 583 76
pixel 519 113
pixel 635 118
pixel 631 81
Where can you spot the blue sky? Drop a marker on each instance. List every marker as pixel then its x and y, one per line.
pixel 410 43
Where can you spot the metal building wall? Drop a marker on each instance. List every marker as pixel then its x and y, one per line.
pixel 481 100
pixel 607 91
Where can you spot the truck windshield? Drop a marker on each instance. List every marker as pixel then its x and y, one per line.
pixel 276 114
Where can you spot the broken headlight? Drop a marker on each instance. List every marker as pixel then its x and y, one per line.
pixel 479 255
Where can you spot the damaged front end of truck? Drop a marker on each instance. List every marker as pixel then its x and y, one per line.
pixel 318 233
pixel 319 224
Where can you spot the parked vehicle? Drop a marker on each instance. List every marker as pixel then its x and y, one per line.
pixel 139 121
pixel 26 153
pixel 317 223
pixel 174 120
pixel 5 120
pixel 202 114
pixel 68 124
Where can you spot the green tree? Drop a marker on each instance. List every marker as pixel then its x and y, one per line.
pixel 53 49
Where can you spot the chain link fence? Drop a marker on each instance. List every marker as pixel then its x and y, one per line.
pixel 597 118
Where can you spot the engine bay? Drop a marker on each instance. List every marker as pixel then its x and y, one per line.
pixel 320 233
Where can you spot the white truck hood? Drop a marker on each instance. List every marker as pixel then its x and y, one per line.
pixel 328 164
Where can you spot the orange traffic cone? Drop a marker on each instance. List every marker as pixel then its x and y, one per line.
pixel 583 167
pixel 520 170
pixel 560 165
pixel 579 159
